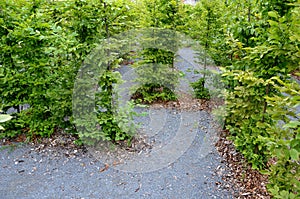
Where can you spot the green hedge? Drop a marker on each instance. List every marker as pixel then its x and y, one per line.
pixel 38 66
pixel 43 44
pixel 261 97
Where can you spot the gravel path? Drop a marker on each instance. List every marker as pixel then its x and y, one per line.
pixel 27 174
pixel 195 173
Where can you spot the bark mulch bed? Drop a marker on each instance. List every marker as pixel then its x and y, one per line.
pixel 240 177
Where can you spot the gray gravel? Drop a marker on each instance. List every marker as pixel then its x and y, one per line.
pixel 26 173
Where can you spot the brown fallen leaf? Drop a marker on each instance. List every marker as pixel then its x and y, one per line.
pixel 104 168
pixel 140 185
pixel 116 163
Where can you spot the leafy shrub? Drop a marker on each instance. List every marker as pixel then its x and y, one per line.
pixel 156 82
pixel 284 141
pixel 116 124
pixel 153 55
pixel 246 118
pixel 150 93
pixel 267 133
pixel 200 91
pixel 156 75
pixel 43 44
pixel 206 20
pixel 38 68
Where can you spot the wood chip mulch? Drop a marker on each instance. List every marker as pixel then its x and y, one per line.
pixel 240 177
pixel 186 102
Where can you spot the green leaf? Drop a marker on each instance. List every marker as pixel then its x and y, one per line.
pixel 294 154
pixel 265 172
pixel 292 124
pixel 4 118
pixel 298 135
pixel 273 23
pixel 273 14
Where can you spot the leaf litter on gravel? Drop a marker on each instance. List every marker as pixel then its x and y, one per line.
pixel 238 177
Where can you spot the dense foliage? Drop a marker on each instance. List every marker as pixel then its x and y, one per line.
pixel 201 92
pixel 38 62
pixel 160 14
pixel 44 43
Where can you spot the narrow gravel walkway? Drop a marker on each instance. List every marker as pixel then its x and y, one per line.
pixel 27 174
